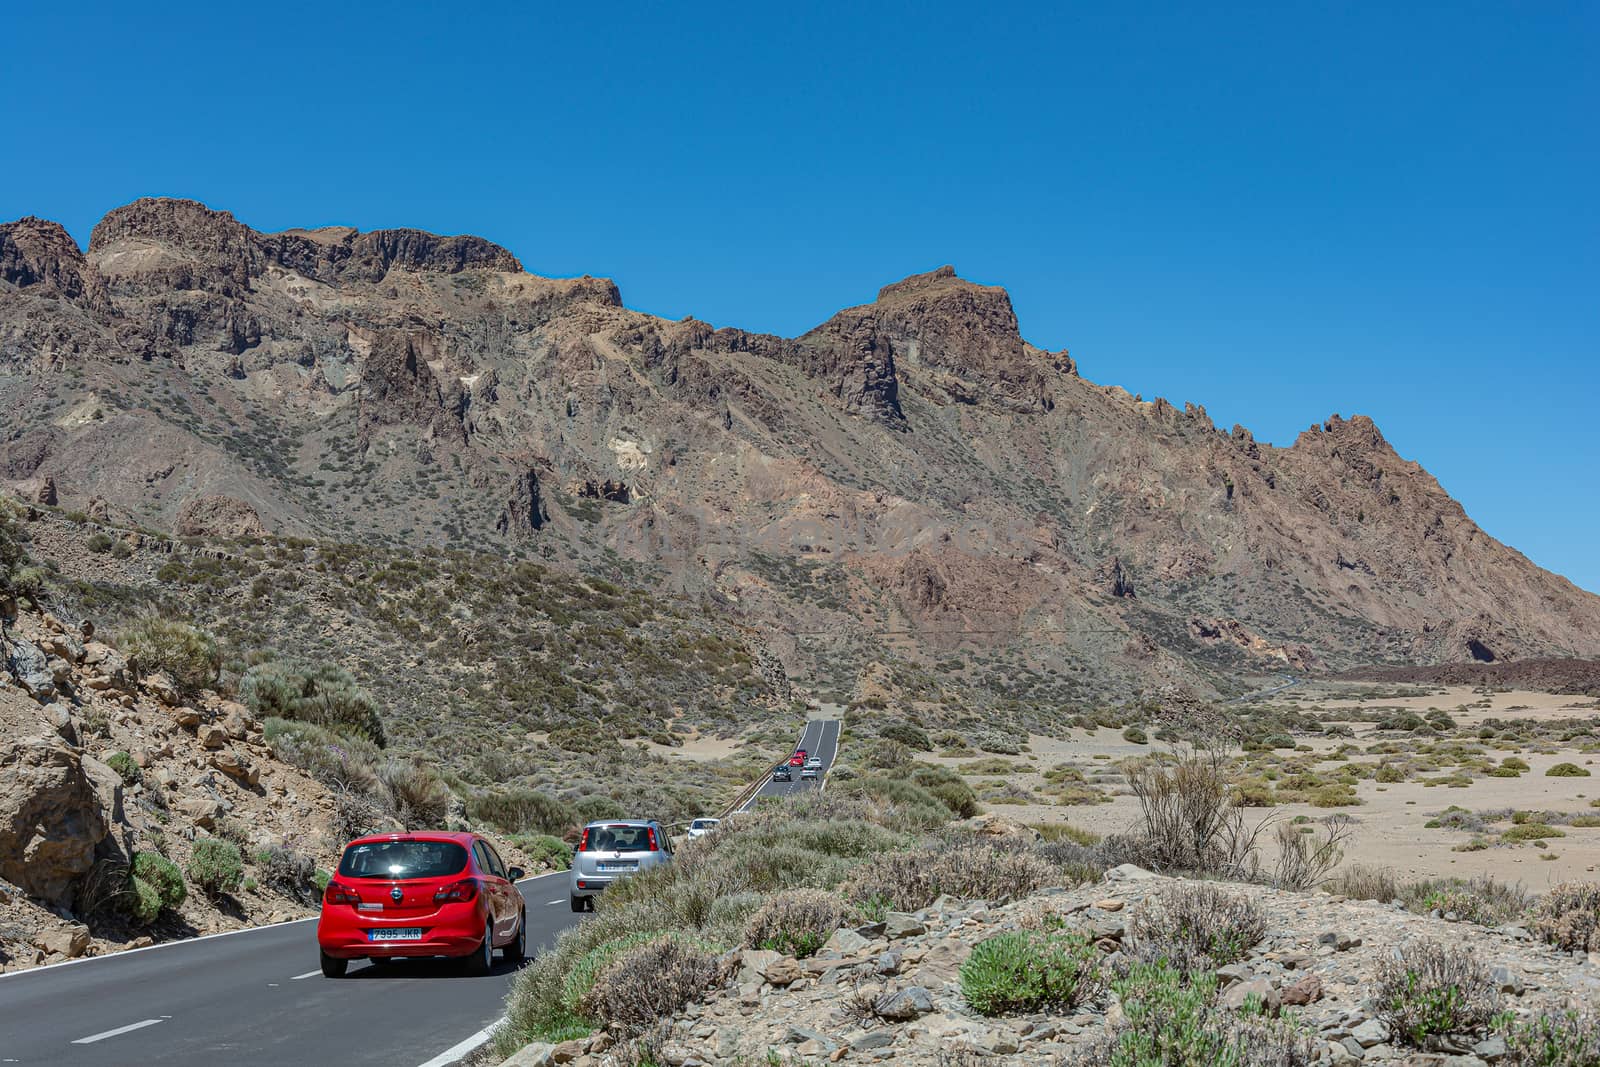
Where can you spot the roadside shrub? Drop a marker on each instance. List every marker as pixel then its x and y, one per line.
pixel 1427 991
pixel 324 695
pixel 1135 736
pixel 949 788
pixel 1515 763
pixel 1568 917
pixel 517 810
pixel 418 796
pixel 186 654
pixel 901 804
pixel 1388 774
pixel 1565 1040
pixel 126 768
pixel 1031 970
pixel 143 902
pixel 796 922
pixel 544 850
pixel 913 737
pixel 912 880
pixel 1195 926
pixel 650 982
pixel 216 866
pixel 1360 882
pixel 1171 1019
pixel 162 878
pixel 294 874
pixel 1566 770
pixel 1481 900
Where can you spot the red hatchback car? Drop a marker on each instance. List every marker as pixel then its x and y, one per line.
pixel 421 894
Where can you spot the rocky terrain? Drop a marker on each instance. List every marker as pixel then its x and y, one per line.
pixel 101 766
pixel 909 500
pixel 890 991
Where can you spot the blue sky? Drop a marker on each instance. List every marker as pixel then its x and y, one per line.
pixel 1280 210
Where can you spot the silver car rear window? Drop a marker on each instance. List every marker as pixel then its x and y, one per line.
pixel 619 839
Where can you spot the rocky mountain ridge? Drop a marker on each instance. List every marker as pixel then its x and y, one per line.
pixel 910 491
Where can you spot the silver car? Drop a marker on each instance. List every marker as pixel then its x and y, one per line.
pixel 615 849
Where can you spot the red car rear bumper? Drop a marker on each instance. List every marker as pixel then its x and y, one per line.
pixel 454 930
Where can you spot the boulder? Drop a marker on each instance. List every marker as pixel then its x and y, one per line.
pixel 30 666
pixel 899 924
pixel 51 815
pixel 1240 993
pixel 1128 872
pixel 534 1055
pixel 845 942
pixel 70 940
pixel 218 516
pixel 908 1003
pixel 236 767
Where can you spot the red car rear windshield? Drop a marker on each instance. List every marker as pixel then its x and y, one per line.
pixel 403 859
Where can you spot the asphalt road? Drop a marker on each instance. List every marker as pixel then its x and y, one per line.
pixel 257 997
pixel 820 738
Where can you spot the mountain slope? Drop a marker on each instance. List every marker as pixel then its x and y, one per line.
pixel 908 498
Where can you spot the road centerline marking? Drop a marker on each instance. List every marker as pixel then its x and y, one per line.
pixel 92 1038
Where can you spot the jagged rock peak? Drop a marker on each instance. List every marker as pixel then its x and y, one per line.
pixel 217 236
pixel 39 252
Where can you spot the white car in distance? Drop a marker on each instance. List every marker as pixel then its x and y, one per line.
pixel 702 827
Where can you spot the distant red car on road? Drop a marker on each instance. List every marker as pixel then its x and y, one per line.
pixel 798 759
pixel 421 894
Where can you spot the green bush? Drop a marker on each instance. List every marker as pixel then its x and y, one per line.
pixel 913 737
pixel 126 768
pixel 1428 991
pixel 1135 736
pixel 1360 882
pixel 1031 970
pixel 99 541
pixel 949 788
pixel 325 695
pixel 1481 900
pixel 904 804
pixel 1566 770
pixel 162 877
pixel 186 654
pixel 543 850
pixel 796 922
pixel 1172 1019
pixel 143 901
pixel 516 810
pixel 216 866
pixel 1565 1040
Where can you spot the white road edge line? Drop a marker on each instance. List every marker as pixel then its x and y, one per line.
pixel 191 940
pixel 555 901
pixel 461 1049
pixel 308 974
pixel 92 1038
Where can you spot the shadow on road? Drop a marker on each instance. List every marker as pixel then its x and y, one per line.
pixel 424 968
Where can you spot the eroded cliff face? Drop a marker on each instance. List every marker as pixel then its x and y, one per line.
pixel 910 467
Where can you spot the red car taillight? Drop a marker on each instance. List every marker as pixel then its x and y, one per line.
pixel 340 894
pixel 583 842
pixel 464 890
pixel 651 838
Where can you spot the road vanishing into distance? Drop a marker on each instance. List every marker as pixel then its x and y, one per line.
pixel 257 998
pixel 820 738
